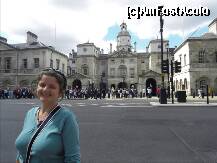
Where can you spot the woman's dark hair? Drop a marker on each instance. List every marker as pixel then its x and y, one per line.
pixel 60 77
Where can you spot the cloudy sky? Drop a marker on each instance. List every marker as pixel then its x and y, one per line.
pixel 66 23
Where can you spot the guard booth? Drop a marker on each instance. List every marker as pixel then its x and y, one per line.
pixel 181 96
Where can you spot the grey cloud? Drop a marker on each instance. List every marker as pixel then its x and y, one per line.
pixel 64 42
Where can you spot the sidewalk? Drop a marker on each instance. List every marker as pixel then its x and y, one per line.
pixel 190 101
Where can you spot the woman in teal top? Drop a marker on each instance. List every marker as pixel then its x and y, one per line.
pixel 58 142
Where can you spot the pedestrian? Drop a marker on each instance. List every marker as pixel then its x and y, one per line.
pixel 50 132
pixel 149 91
pixel 199 93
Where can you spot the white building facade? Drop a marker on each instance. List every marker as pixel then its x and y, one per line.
pixel 120 68
pixel 20 63
pixel 198 57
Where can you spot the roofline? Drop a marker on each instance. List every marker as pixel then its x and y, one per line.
pixel 192 39
pixel 212 22
pixel 5 43
pixel 156 40
pixel 25 49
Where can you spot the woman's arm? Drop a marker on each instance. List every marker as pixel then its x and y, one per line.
pixel 71 140
pixel 17 161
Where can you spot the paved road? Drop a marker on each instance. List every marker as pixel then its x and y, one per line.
pixel 126 131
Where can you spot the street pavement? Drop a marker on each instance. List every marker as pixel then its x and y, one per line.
pixel 128 130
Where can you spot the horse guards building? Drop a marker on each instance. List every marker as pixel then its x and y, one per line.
pixel 121 68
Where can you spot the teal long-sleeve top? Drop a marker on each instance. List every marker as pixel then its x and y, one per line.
pixel 58 142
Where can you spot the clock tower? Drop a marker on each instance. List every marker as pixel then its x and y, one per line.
pixel 124 39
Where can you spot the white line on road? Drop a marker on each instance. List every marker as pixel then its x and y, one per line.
pixel 67 105
pixel 186 144
pixel 127 106
pixel 24 103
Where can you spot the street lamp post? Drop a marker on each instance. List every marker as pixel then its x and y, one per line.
pixel 168 74
pixel 163 98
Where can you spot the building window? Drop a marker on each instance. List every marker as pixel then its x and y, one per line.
pixel 132 72
pixel 57 64
pixel 63 67
pixel 36 62
pixel 103 74
pixel 185 84
pixel 122 60
pixel 8 63
pixel 113 61
pixel 73 61
pixel 180 58
pixel 84 69
pixel 112 72
pixel 51 63
pixel 215 57
pixel 185 60
pixel 131 60
pixel 122 70
pixel 84 49
pixel 25 63
pixel 201 56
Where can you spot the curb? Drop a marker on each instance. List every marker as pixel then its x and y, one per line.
pixel 184 104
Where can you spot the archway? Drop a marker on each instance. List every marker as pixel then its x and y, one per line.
pixel 76 84
pixel 113 86
pixel 150 82
pixel 122 85
pixel 201 83
pixel 102 86
pixel 215 87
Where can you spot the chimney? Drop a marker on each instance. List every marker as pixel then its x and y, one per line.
pixel 3 39
pixel 135 46
pixel 31 37
pixel 110 47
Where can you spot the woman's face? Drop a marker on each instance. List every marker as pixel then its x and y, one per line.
pixel 48 89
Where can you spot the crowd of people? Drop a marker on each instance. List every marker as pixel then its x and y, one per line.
pixel 88 93
pixel 16 93
pixel 95 93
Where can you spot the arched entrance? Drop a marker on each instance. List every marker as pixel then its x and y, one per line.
pixel 215 87
pixel 102 86
pixel 150 82
pixel 113 86
pixel 76 84
pixel 122 85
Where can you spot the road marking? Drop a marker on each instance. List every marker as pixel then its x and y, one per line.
pixel 127 106
pixel 24 103
pixel 67 105
pixel 186 144
pixel 80 103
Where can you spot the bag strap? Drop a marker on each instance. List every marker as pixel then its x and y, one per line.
pixel 38 131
